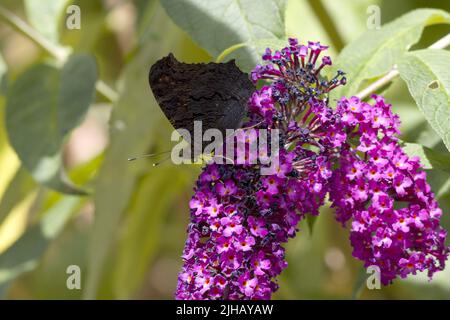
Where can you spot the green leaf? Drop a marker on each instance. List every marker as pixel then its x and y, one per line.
pixel 76 92
pixel 327 23
pixel 136 127
pixel 358 287
pixel 350 12
pixel 258 46
pixel 81 175
pixel 56 211
pixel 429 158
pixel 3 67
pixel 376 51
pixel 19 187
pixel 309 26
pixel 89 37
pixel 24 254
pixel 143 228
pixel 443 190
pixel 43 106
pixel 426 73
pixel 44 16
pixel 3 75
pixel 311 220
pixel 218 25
pixel 145 12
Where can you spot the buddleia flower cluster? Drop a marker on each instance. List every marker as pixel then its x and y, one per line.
pixel 240 219
pixel 395 217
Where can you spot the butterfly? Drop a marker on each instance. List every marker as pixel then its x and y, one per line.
pixel 214 93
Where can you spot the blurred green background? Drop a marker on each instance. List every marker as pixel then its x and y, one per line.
pixel 127 235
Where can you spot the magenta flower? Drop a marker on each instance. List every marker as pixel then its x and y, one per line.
pixel 257 226
pixel 223 244
pixel 382 235
pixel 246 284
pixel 271 184
pixel 240 219
pixel 213 209
pixel 226 188
pixel 244 243
pixel 260 263
pixel 231 226
pixel 401 183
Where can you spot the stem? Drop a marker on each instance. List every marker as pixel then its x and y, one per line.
pixel 441 43
pixel 393 73
pixel 106 91
pixel 19 25
pixel 60 53
pixel 229 50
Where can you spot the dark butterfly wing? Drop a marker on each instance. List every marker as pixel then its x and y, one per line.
pixel 214 93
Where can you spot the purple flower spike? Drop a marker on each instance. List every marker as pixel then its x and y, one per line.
pixel 240 219
pixel 398 241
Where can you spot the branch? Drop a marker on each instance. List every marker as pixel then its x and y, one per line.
pixel 393 73
pixel 60 53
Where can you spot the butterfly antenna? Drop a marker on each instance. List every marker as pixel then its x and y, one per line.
pixel 253 126
pixel 150 155
pixel 163 160
pixel 223 157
